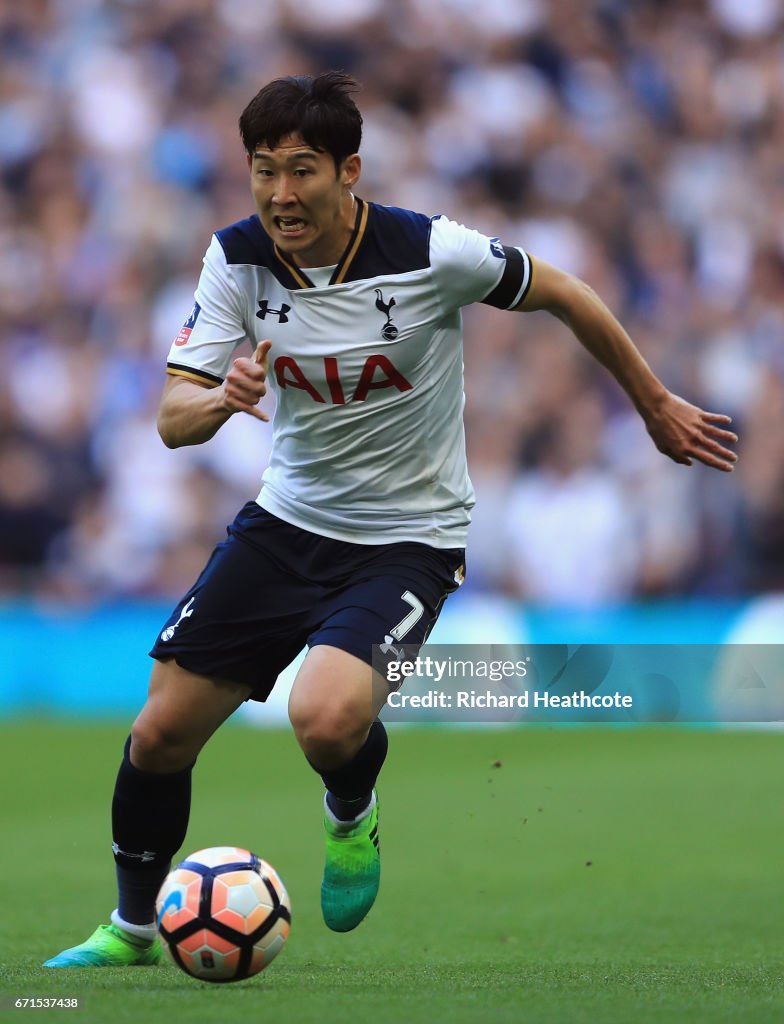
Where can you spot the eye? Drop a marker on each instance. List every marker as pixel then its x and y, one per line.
pixel 263 172
pixel 301 172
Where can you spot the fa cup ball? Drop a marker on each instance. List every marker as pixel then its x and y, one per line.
pixel 223 914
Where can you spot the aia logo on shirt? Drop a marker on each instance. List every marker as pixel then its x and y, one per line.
pixel 187 327
pixel 377 373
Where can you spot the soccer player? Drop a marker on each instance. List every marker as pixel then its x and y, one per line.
pixel 353 313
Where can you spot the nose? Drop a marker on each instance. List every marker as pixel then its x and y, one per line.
pixel 283 193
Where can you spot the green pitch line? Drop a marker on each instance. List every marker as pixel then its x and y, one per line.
pixel 543 875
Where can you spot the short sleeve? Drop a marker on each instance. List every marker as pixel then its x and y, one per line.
pixel 204 348
pixel 470 267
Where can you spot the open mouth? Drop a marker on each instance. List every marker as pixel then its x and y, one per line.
pixel 289 225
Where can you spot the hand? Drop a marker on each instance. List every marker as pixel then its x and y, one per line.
pixel 245 384
pixel 684 432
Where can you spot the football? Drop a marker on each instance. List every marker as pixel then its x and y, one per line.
pixel 223 914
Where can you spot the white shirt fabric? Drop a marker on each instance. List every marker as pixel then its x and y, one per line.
pixel 368 443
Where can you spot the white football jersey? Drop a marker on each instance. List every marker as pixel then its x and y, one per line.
pixel 368 443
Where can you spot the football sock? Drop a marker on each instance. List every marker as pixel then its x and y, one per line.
pixel 136 894
pixel 348 810
pixel 145 932
pixel 361 809
pixel 350 787
pixel 150 814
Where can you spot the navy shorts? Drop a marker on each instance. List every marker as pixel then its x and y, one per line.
pixel 271 589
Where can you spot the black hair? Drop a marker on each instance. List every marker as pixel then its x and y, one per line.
pixel 320 110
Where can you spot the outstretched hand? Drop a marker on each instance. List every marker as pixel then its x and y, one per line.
pixel 685 432
pixel 245 384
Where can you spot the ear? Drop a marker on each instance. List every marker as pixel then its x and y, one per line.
pixel 248 160
pixel 351 170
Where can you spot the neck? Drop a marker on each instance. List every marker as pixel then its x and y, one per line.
pixel 329 252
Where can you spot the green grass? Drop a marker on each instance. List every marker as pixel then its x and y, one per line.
pixel 596 876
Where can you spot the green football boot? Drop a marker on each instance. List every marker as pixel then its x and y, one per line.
pixel 109 946
pixel 352 872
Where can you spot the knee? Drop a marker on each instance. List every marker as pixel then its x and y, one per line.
pixel 329 733
pixel 159 746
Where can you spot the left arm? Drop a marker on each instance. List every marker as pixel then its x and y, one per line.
pixel 680 430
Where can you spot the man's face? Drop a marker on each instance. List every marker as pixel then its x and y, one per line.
pixel 305 206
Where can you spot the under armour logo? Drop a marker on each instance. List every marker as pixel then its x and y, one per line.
pixel 264 308
pixel 389 332
pixel 186 613
pixel 145 857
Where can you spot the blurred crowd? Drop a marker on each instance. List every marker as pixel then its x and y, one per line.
pixel 636 143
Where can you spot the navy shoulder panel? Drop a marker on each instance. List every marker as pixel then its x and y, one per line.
pixel 247 242
pixel 396 241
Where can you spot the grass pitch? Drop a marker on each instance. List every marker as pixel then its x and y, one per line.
pixel 540 875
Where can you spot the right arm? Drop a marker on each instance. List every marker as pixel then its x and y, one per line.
pixel 680 430
pixel 191 413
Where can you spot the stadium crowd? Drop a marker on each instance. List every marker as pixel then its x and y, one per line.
pixel 636 143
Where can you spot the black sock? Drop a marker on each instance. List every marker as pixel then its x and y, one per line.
pixel 150 814
pixel 350 787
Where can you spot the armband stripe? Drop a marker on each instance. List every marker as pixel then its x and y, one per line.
pixel 192 373
pixel 528 279
pixel 515 280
